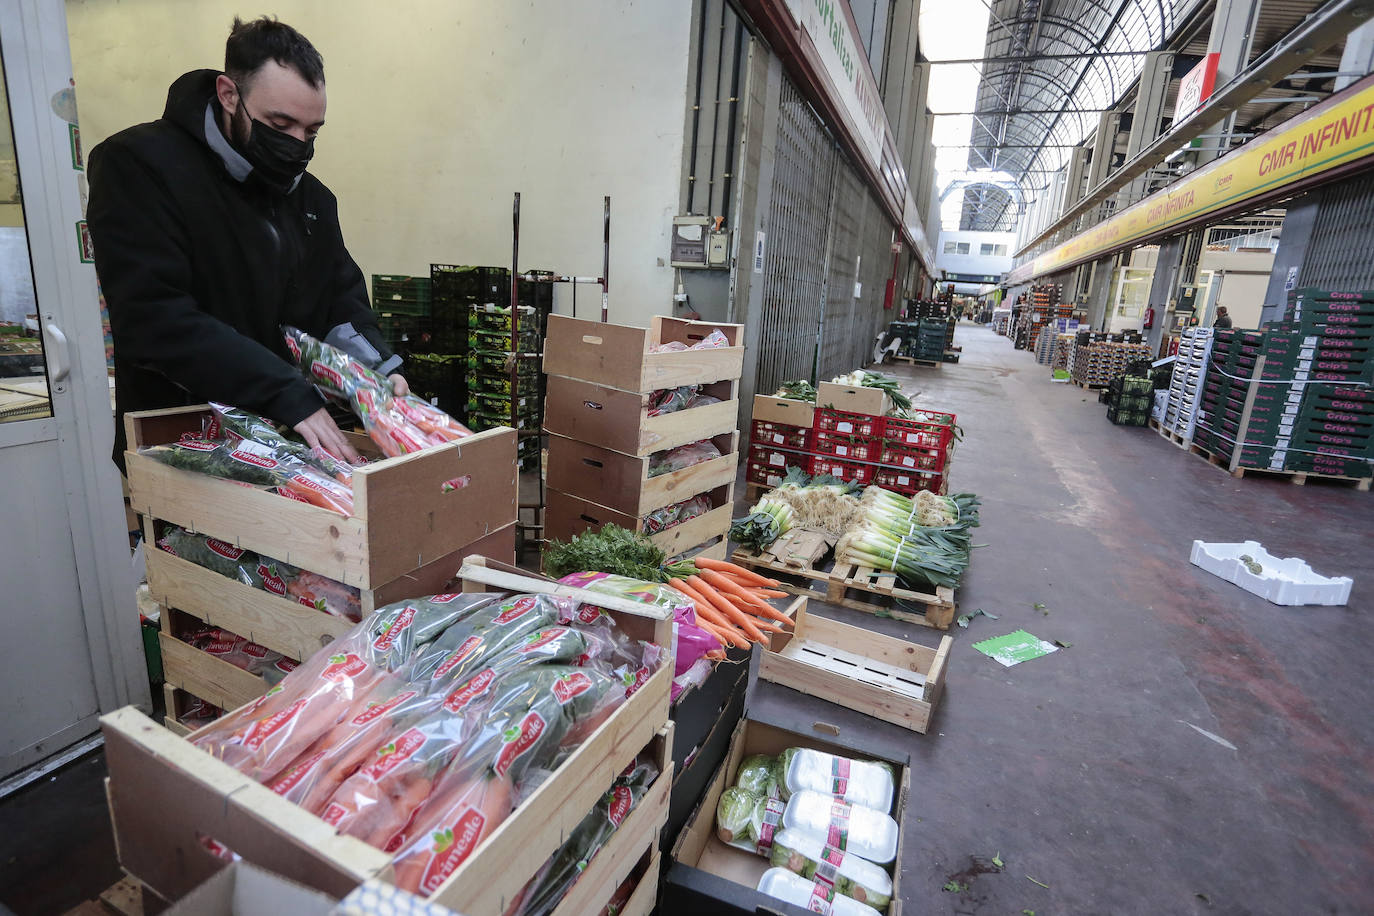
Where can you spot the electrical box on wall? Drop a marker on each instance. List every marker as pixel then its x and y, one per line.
pixel 696 244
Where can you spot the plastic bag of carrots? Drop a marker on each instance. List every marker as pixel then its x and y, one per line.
pixel 248 461
pixel 399 425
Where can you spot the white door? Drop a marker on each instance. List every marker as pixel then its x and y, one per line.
pixel 72 648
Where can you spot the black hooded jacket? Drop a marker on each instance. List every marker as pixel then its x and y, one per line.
pixel 200 265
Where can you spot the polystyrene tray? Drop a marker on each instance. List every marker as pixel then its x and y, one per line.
pixel 1286 580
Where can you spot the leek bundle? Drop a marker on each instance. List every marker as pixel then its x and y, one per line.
pixel 923 540
pixel 768 520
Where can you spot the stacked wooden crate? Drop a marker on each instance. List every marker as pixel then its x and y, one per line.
pixel 415 518
pixel 601 380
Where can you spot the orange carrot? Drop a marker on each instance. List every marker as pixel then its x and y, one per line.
pixel 770 593
pixel 734 614
pixel 707 614
pixel 748 575
pixel 754 605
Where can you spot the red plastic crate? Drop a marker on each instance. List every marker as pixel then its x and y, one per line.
pixel 909 457
pixel 907 482
pixel 762 474
pixel 931 432
pixel 844 470
pixel 848 424
pixel 762 432
pixel 775 458
pixel 851 447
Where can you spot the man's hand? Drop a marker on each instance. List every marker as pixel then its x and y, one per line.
pixel 318 431
pixel 398 385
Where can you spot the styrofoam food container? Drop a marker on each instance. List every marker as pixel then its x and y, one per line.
pixel 1287 580
pixel 793 888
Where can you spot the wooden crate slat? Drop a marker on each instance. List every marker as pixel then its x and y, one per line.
pixel 202 675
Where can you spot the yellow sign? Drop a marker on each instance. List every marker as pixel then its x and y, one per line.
pixel 1335 133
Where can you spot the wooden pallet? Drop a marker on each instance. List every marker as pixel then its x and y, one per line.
pixel 1085 385
pixel 1172 436
pixel 859 588
pixel 918 363
pixel 1296 478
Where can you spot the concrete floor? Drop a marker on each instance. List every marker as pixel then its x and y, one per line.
pixel 1196 750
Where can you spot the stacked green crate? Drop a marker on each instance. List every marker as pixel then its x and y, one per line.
pixel 402 305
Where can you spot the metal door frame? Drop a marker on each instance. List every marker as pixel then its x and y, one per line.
pixel 33 35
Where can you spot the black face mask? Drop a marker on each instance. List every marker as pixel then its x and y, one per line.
pixel 278 158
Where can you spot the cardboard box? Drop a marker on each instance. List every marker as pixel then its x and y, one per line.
pixel 243 889
pixel 873 401
pixel 706 876
pixel 783 410
pixel 620 356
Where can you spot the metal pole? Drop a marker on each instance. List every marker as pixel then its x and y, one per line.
pixel 606 261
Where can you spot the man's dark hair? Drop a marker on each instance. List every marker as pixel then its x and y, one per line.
pixel 252 44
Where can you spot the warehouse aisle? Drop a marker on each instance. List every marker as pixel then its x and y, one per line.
pixel 1196 749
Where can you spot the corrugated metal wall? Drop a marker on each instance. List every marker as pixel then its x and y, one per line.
pixel 794 254
pixel 1340 254
pixel 826 231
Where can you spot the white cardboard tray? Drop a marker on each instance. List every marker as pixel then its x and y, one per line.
pixel 1286 580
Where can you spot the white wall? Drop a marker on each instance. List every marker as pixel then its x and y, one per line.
pixel 973 262
pixel 439 110
pixel 1244 286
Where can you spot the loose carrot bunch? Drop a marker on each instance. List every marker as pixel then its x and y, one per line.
pixel 731 602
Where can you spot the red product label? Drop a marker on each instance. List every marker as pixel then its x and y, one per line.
pixel 288 494
pixel 333 814
pixel 228 551
pixel 261 730
pixel 311 483
pixel 474 688
pixel 588 613
pixel 392 755
pixel 451 846
pixel 839 771
pixel 287 664
pixel 469 646
pixel 305 600
pixel 327 375
pixel 517 609
pixel 570 686
pixel 255 650
pixel 377 710
pixel 641 676
pixel 221 646
pixel 294 776
pixel 821 896
pixel 342 666
pixel 294 347
pixel 444 598
pixel 255 460
pixel 772 816
pixel 272 582
pixel 198 445
pixel 838 834
pixel 398 626
pixel 549 637
pixel 828 867
pixel 518 740
pixel 621 800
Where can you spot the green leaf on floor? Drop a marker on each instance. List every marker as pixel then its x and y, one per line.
pixel 882 612
pixel 1038 606
pixel 997 859
pixel 963 619
pixel 954 887
pixel 1040 883
pixel 1028 913
pixel 1063 645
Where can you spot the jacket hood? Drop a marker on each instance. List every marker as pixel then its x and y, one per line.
pixel 186 101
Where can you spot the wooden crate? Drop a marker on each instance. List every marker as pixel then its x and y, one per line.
pixel 201 674
pixel 165 794
pixel 784 410
pixel 406 514
pixel 619 356
pixel 880 676
pixel 618 420
pixel 566 515
pixel 860 588
pixel 622 482
pixel 282 624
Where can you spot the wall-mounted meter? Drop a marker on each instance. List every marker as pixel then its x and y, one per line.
pixel 696 244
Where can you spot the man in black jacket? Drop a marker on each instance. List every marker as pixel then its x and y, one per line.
pixel 209 235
